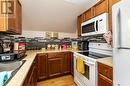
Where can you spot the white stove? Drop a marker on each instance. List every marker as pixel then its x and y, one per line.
pixel 96 51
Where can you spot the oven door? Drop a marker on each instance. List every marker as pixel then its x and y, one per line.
pixel 89 77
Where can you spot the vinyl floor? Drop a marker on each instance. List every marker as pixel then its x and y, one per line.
pixel 60 81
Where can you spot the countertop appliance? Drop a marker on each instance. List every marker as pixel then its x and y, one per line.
pixel 83 44
pixel 6 46
pixel 7 57
pixel 96 51
pixel 97 25
pixel 16 55
pixel 121 43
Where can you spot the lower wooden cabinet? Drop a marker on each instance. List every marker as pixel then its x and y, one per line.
pixel 59 63
pixel 42 66
pixel 105 75
pixel 54 64
pixel 72 65
pixel 49 65
pixel 67 62
pixel 31 78
pixel 103 81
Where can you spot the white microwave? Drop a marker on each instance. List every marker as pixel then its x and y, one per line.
pixel 97 25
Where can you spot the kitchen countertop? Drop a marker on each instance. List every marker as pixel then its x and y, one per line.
pixel 107 61
pixel 19 77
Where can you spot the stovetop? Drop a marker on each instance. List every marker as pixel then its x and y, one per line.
pixel 93 54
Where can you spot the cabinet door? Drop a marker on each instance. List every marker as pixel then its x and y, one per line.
pixel 72 64
pixel 89 14
pixel 31 79
pixel 42 66
pixel 101 7
pixel 10 25
pixel 66 62
pixel 111 3
pixel 55 66
pixel 103 81
pixel 18 20
pixel 79 21
pixel 10 21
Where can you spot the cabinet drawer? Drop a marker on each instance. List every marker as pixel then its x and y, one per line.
pixel 103 81
pixel 105 70
pixel 55 55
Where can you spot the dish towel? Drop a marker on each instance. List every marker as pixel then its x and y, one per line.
pixel 80 65
pixel 4 76
pixel 108 37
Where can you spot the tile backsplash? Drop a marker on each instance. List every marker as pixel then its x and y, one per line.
pixel 33 34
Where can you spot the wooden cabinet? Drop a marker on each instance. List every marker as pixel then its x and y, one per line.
pixel 72 64
pixel 87 15
pixel 100 7
pixel 67 62
pixel 55 66
pixel 49 65
pixel 59 63
pixel 105 75
pixel 11 18
pixel 103 81
pixel 31 78
pixel 18 20
pixel 111 3
pixel 42 66
pixel 79 21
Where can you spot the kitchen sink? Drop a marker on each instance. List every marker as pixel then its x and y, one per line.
pixel 12 66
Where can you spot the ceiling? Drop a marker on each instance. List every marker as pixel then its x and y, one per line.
pixel 52 15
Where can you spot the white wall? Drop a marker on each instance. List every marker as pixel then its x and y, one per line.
pixel 32 34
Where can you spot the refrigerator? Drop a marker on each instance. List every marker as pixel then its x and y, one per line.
pixel 121 43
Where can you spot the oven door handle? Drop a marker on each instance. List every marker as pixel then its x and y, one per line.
pixel 89 63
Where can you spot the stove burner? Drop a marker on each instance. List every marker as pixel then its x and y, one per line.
pixel 93 54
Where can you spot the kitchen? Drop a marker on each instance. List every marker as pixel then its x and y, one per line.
pixel 64 43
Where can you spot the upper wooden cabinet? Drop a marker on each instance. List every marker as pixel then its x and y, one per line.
pixel 18 21
pixel 100 7
pixel 111 3
pixel 10 17
pixel 79 21
pixel 87 15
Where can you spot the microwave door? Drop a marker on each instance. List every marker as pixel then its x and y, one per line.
pixel 121 25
